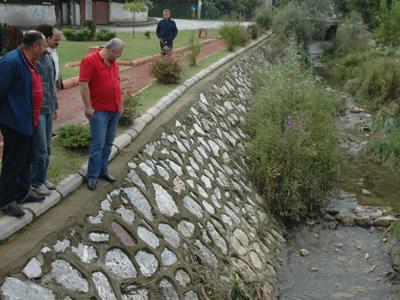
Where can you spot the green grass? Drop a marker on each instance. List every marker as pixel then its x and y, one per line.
pixel 64 162
pixel 137 47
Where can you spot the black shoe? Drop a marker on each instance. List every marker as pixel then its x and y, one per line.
pixel 108 177
pixel 32 199
pixel 91 184
pixel 14 211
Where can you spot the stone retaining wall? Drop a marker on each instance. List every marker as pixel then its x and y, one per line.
pixel 185 221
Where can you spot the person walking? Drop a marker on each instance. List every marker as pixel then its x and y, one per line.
pixel 166 32
pixel 21 95
pixel 100 89
pixel 53 51
pixel 43 132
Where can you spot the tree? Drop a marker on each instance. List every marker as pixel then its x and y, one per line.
pixel 388 30
pixel 137 6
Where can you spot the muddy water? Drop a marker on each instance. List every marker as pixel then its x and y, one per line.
pixel 345 262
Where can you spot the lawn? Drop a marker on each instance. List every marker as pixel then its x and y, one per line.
pixel 136 47
pixel 64 162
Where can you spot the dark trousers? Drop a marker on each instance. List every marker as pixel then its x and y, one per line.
pixel 169 44
pixel 15 174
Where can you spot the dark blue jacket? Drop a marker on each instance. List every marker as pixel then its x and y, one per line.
pixel 16 109
pixel 166 30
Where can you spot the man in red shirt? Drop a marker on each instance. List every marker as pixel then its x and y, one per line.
pixel 100 88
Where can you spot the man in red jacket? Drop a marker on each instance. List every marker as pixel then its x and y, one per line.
pixel 100 88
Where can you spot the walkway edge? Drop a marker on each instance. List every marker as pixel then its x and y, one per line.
pixel 9 225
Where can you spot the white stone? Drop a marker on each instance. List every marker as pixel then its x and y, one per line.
pixel 182 277
pixel 208 207
pixel 33 269
pixel 99 237
pixel 69 277
pixel 169 235
pixel 205 254
pixel 98 219
pixel 206 181
pixel 135 293
pixel 193 207
pixel 186 228
pixel 134 177
pixel 168 290
pixel 86 254
pixel 175 167
pixel 126 214
pixel 179 185
pixel 145 168
pixel 103 286
pixel 45 250
pixel 140 202
pixel 168 257
pixel 202 191
pixel 148 237
pixel 217 238
pixel 165 203
pixel 191 296
pixel 194 164
pixel 119 264
pixel 105 205
pixel 15 289
pixel 61 246
pixel 147 262
pixel 163 173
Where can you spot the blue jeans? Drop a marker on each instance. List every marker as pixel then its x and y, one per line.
pixel 103 127
pixel 42 149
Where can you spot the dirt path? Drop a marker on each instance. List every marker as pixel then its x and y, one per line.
pixel 73 210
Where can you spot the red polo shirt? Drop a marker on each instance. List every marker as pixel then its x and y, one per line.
pixel 104 82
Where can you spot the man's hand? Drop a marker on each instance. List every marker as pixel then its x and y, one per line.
pixel 55 115
pixel 89 113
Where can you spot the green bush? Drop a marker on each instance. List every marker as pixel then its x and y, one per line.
pixel 131 104
pixel 74 137
pixel 232 35
pixel 388 30
pixel 194 48
pixel 83 34
pixel 253 31
pixel 166 69
pixel 352 36
pixel 293 151
pixel 264 19
pixel 147 34
pixel 105 35
pixel 386 150
pixel 92 27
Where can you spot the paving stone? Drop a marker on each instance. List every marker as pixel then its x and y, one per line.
pixel 179 185
pixel 208 207
pixel 217 238
pixel 33 269
pixel 191 171
pixel 122 140
pixel 182 277
pixel 39 208
pixel 103 286
pixel 148 263
pixel 181 147
pixel 61 246
pixel 232 215
pixel 202 191
pixel 133 176
pixel 119 264
pixel 165 203
pixel 10 225
pixel 98 219
pixel 145 168
pixel 255 260
pixel 148 237
pixel 175 167
pixel 205 254
pixel 193 207
pixel 194 164
pixel 69 184
pixel 190 183
pixel 191 295
pixel 98 237
pixel 45 250
pixel 15 289
pixel 123 235
pixel 134 292
pixel 105 205
pixel 168 291
pixel 206 181
pixel 186 228
pixel 238 246
pixel 86 254
pixel 138 125
pixel 168 257
pixel 126 214
pixel 169 235
pixel 163 173
pixel 69 277
pixel 140 202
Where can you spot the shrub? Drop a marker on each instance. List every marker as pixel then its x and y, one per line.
pixel 388 30
pixel 91 25
pixel 194 47
pixel 166 69
pixel 105 35
pixel 293 152
pixel 232 35
pixel 352 36
pixel 77 35
pixel 131 104
pixel 264 19
pixel 253 31
pixel 147 34
pixel 74 137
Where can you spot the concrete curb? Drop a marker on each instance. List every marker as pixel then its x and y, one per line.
pixel 10 225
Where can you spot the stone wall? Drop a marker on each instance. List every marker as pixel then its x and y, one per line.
pixel 186 220
pixel 27 15
pixel 120 15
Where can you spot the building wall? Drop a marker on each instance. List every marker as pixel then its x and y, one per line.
pixel 119 14
pixel 27 15
pixel 268 4
pixel 65 14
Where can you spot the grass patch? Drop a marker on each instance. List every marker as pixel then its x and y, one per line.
pixel 64 162
pixel 137 47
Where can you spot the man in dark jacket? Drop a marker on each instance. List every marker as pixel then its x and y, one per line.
pixel 21 95
pixel 166 32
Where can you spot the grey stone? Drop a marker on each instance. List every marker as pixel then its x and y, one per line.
pixel 232 215
pixel 97 219
pixel 175 167
pixel 206 181
pixel 135 293
pixel 217 238
pixel 114 152
pixel 193 207
pixel 148 263
pixel 15 289
pixel 61 246
pixel 148 237
pixel 346 218
pixel 145 168
pixel 163 173
pixel 45 250
pixel 186 228
pixel 10 225
pixel 165 203
pixel 133 176
pixel 236 245
pixel 202 191
pixel 39 208
pixel 194 164
pixel 169 234
pixel 179 185
pixel 154 111
pixel 208 207
pixel 33 269
pixel 86 254
pixel 126 214
pixel 304 252
pixel 168 257
pixel 385 221
pixel 363 221
pixel 103 286
pixel 191 295
pixel 99 237
pixel 105 205
pixel 182 277
pixel 168 290
pixel 203 99
pixel 140 202
pixel 138 125
pixel 122 140
pixel 69 184
pixel 119 264
pixel 255 260
pixel 205 254
pixel 68 277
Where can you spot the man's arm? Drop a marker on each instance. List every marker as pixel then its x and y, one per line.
pixel 7 75
pixel 158 29
pixel 85 94
pixel 174 30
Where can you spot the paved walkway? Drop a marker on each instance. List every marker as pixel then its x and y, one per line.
pixel 180 23
pixel 71 107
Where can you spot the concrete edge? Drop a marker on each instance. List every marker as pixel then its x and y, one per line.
pixel 10 225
